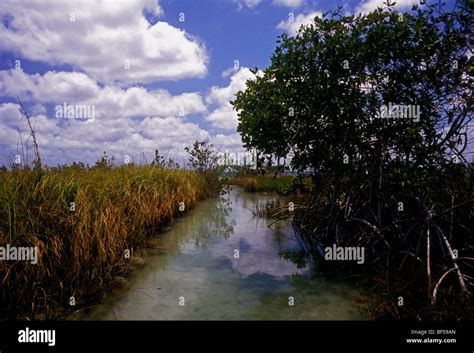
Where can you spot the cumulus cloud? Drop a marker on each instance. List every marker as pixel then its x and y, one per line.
pixel 10 114
pixel 228 143
pixel 64 141
pixel 116 130
pixel 224 116
pixel 80 140
pixel 95 40
pixel 50 87
pixel 129 121
pixel 111 41
pixel 109 101
pixel 292 25
pixel 171 129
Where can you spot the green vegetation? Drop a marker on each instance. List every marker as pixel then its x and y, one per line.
pixel 400 186
pixel 259 183
pixel 282 185
pixel 204 160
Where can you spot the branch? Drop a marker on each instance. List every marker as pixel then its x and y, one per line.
pixel 35 144
pixel 453 259
pixel 435 291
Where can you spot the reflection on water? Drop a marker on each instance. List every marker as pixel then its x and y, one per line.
pixel 196 262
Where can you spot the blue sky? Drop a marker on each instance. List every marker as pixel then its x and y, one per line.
pixel 180 75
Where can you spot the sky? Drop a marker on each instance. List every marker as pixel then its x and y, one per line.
pixel 129 77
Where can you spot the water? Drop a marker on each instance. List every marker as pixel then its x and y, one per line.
pixel 194 262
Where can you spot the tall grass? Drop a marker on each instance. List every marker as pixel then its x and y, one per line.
pixel 283 185
pixel 257 183
pixel 81 251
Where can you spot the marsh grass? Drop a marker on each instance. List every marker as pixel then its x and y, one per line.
pixel 283 185
pixel 81 251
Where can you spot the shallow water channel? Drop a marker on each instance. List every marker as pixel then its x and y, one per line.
pixel 192 273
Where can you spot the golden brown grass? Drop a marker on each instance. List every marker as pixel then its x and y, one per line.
pixel 81 251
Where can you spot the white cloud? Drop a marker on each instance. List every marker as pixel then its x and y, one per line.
pixel 115 129
pixel 8 136
pixel 86 140
pixel 288 3
pixel 10 120
pixel 10 114
pixel 173 129
pixel 64 141
pixel 224 116
pixel 109 101
pixel 228 72
pixel 50 87
pixel 130 119
pixel 292 27
pixel 228 143
pixel 370 5
pixel 248 3
pixel 105 36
